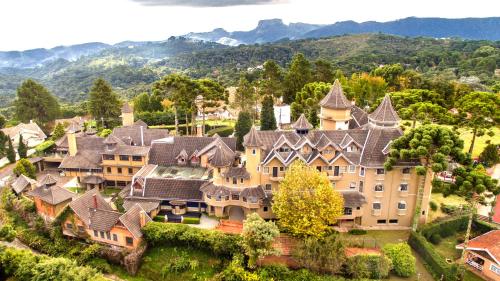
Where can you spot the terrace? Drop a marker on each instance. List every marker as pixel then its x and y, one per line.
pixel 177 172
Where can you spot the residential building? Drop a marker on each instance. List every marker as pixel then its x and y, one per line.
pixel 22 184
pixel 31 132
pixel 350 147
pixel 93 218
pixel 482 255
pixel 50 199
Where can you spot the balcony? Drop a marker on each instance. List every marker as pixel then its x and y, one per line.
pixel 474 264
pixel 335 177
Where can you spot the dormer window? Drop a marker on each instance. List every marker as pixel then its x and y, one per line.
pixel 284 149
pixel 181 161
pixel 254 151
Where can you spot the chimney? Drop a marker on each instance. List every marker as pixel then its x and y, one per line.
pixel 199 131
pixel 142 136
pixel 142 218
pixel 72 143
pixel 94 199
pixel 31 121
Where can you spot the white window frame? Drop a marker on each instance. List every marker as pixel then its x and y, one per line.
pixel 407 186
pixel 352 185
pixel 379 204
pixel 266 170
pixel 375 187
pixel 402 203
pixel 362 171
pixel 352 169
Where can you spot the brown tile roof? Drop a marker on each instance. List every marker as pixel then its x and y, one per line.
pixel 132 220
pixel 52 194
pixel 21 183
pixel 165 151
pixel 218 190
pixel 48 179
pixel 123 149
pixel 111 139
pixel 359 117
pixel 87 156
pixel 140 123
pixel 489 242
pixel 378 139
pixel 171 189
pixel 251 139
pixel 103 220
pixel 352 198
pixel 132 134
pixel 302 123
pixel 85 202
pixel 335 99
pixel 222 155
pixel 147 204
pixel 32 127
pixel 92 179
pixel 126 108
pixel 385 112
pixel 238 172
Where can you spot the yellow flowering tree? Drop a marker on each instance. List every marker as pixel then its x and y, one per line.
pixel 306 203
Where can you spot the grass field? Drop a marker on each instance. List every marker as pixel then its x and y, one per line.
pixel 156 258
pixel 438 198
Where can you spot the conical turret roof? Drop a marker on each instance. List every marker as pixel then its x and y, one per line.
pixel 335 99
pixel 302 123
pixel 126 108
pixel 252 139
pixel 385 113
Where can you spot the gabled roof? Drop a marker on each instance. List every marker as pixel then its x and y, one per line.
pixel 384 113
pixel 183 154
pixel 21 183
pixel 147 204
pixel 252 138
pixel 236 172
pixel 126 108
pixel 88 200
pixel 140 123
pixel 359 117
pixel 88 154
pixel 137 134
pixel 103 220
pixel 347 140
pixel 335 99
pixel 132 220
pixel 488 242
pixel 52 194
pixel 171 189
pixel 302 123
pixel 339 155
pixel 223 156
pixel 111 139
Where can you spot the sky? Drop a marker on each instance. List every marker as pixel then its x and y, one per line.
pixel 28 24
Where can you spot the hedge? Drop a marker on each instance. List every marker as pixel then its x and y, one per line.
pixel 436 263
pixel 44 146
pixel 483 227
pixel 172 234
pixel 189 220
pixel 225 131
pixel 444 228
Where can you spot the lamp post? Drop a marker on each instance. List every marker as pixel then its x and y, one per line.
pixel 200 104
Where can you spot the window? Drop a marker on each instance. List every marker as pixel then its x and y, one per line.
pixel 352 169
pixel 137 158
pixel 235 197
pixel 352 185
pixel 406 170
pixel 254 151
pixel 108 235
pixel 115 237
pixel 108 169
pixel 282 169
pixel 362 171
pixel 347 211
pixel 129 241
pixel 124 157
pixel 130 171
pixel 380 171
pixel 318 168
pixel 377 205
pixel 121 183
pixel 119 170
pixel 80 228
pixel 330 168
pixel 381 221
pixel 244 199
pixel 266 209
pixel 218 198
pixel 266 170
pixel 343 169
pixel 402 205
pixel 69 226
pixel 227 179
pixel 361 185
pixel 108 157
pixel 102 234
pixel 241 180
pixel 393 221
pixel 209 196
pixel 96 234
pixel 403 187
pixel 268 187
pixel 379 187
pixel 235 181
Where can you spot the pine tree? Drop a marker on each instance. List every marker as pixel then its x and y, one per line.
pixel 3 140
pixel 490 156
pixel 299 74
pixel 22 149
pixel 35 102
pixel 267 119
pixel 104 103
pixel 11 153
pixel 243 126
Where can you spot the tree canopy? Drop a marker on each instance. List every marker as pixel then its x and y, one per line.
pixel 258 237
pixel 306 203
pixel 24 167
pixel 104 103
pixel 242 127
pixel 35 102
pixel 267 119
pixel 298 74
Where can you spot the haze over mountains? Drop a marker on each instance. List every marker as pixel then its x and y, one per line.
pixel 266 31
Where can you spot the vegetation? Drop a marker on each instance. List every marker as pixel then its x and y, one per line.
pixel 242 127
pixel 489 156
pixel 370 266
pixel 403 261
pixel 35 103
pixel 22 149
pixel 322 255
pixel 11 153
pixel 24 167
pixel 104 104
pixel 258 237
pixel 306 203
pixel 59 132
pixel 267 119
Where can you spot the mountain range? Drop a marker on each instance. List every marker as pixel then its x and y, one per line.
pixel 271 30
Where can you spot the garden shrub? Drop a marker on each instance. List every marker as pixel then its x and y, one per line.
pixel 357 231
pixel 225 131
pixel 369 266
pixel 445 228
pixel 483 227
pixel 44 146
pixel 219 243
pixel 190 220
pixel 325 255
pixel 403 261
pixel 159 218
pixel 180 262
pixel 449 209
pixel 7 233
pixel 433 206
pixel 435 238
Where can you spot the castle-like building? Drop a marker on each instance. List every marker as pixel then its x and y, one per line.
pixel 207 174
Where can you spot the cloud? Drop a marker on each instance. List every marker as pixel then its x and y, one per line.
pixel 207 3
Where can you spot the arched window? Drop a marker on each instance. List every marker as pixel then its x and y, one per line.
pixel 402 205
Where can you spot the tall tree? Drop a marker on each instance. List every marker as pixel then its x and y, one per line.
pixel 3 121
pixel 479 112
pixel 267 119
pixel 272 80
pixel 434 146
pixel 258 237
pixel 391 74
pixel 472 183
pixel 11 153
pixel 22 149
pixel 104 103
pixel 3 140
pixel 425 112
pixel 365 89
pixel 323 255
pixel 323 71
pixel 35 102
pixel 245 96
pixel 306 203
pixel 242 127
pixel 141 103
pixel 308 98
pixel 212 92
pixel 489 156
pixel 299 73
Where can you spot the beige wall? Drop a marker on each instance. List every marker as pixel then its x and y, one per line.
pixel 114 165
pixel 486 267
pixel 127 119
pixel 334 119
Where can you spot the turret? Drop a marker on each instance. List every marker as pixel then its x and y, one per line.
pixel 253 149
pixel 127 115
pixel 384 115
pixel 302 125
pixel 335 109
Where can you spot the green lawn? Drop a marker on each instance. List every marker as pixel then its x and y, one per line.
pixel 438 198
pixel 446 248
pixel 155 259
pixel 109 191
pixel 76 189
pixel 469 276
